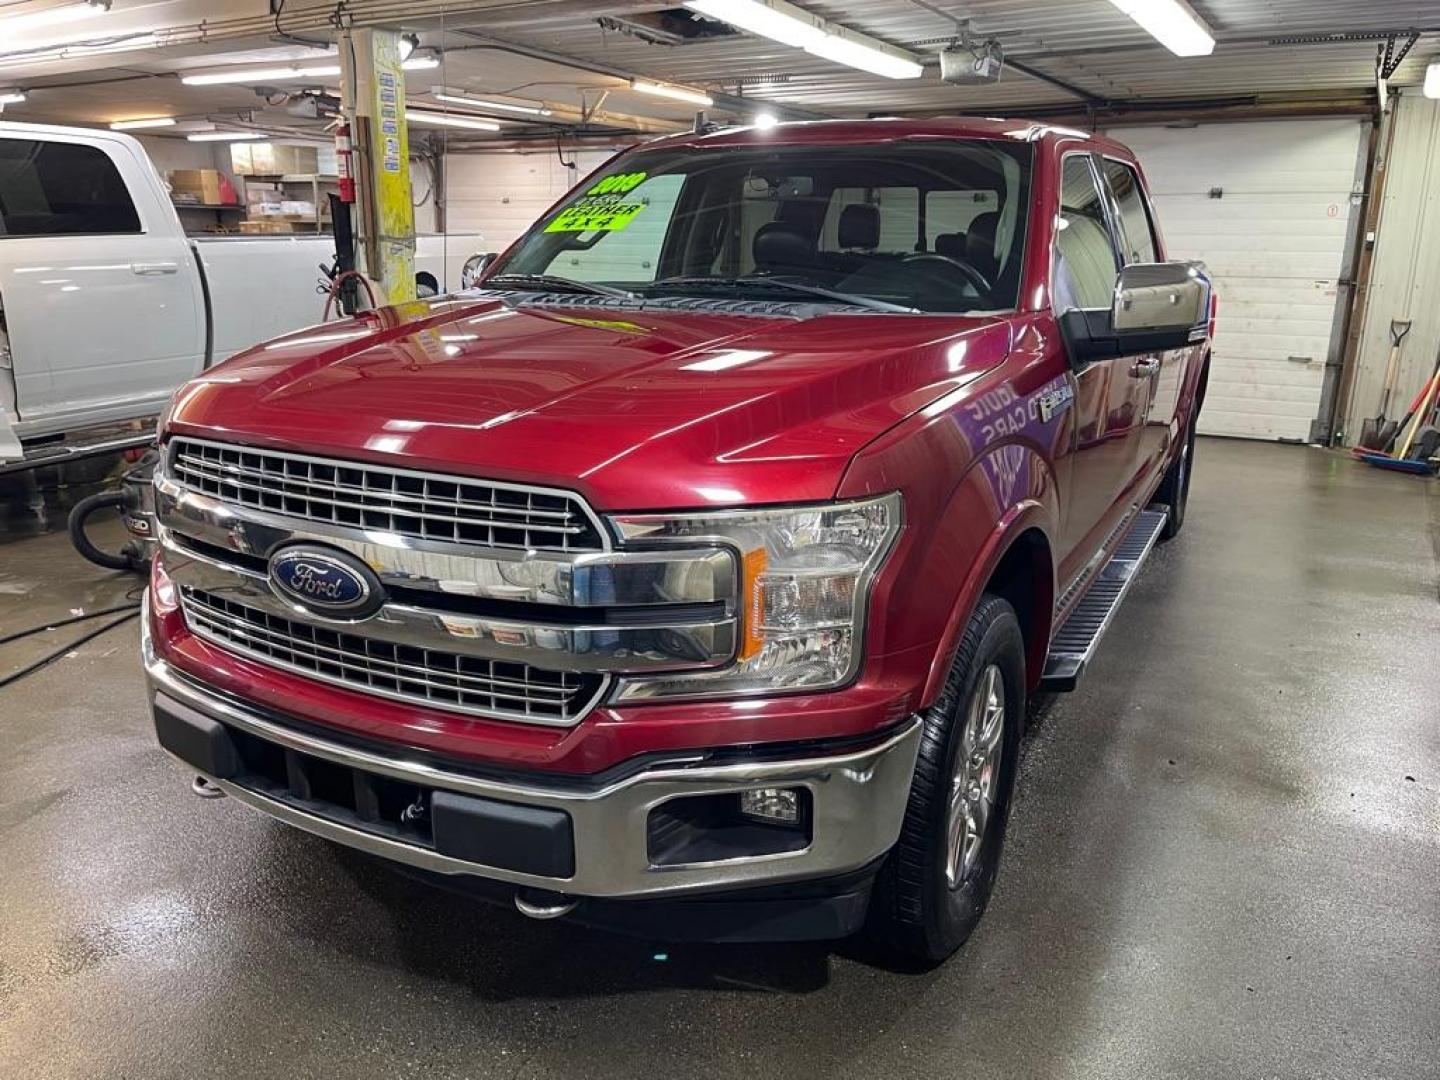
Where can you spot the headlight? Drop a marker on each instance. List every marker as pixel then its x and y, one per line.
pixel 805 577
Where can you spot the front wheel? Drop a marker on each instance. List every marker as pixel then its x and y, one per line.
pixel 935 884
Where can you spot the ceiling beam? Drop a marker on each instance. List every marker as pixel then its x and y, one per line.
pixel 1059 84
pixel 728 102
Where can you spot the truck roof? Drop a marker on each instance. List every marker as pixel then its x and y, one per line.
pixel 25 129
pixel 841 132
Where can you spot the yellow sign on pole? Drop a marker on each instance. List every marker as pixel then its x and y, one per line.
pixel 387 225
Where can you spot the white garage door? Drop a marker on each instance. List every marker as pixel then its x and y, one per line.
pixel 1266 205
pixel 501 195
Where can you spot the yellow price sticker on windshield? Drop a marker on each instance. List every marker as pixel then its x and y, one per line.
pixel 618 184
pixel 590 216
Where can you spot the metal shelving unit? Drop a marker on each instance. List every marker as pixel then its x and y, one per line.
pixel 316 183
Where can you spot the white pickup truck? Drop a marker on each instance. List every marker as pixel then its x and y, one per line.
pixel 106 305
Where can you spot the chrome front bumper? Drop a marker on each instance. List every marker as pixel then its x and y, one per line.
pixel 858 801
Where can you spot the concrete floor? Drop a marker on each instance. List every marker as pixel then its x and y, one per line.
pixel 1224 862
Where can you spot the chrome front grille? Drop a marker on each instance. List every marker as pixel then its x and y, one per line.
pixel 402 502
pixel 429 677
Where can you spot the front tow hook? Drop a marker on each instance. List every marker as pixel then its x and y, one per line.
pixel 538 904
pixel 202 787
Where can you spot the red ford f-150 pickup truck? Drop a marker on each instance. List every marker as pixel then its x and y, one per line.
pixel 689 575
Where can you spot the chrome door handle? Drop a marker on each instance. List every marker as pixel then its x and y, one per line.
pixel 1143 369
pixel 149 269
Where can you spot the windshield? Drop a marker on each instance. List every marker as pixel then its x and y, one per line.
pixel 935 226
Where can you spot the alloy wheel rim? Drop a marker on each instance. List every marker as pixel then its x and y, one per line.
pixel 976 778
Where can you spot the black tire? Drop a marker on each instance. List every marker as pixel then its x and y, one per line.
pixel 1174 490
pixel 915 913
pixel 128 558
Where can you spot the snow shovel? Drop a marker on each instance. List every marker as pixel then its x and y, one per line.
pixel 1376 433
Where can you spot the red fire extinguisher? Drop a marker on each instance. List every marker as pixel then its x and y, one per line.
pixel 342 164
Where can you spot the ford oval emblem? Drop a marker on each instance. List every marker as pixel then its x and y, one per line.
pixel 327 582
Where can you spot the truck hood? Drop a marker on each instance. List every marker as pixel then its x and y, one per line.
pixel 635 408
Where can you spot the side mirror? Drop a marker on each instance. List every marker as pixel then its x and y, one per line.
pixel 475 267
pixel 1158 297
pixel 1157 306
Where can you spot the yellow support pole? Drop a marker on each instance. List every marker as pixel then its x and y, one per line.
pixel 373 98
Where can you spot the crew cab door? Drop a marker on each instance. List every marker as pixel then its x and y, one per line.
pixel 103 306
pixel 1112 394
pixel 1139 243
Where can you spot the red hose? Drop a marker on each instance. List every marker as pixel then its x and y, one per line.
pixel 334 293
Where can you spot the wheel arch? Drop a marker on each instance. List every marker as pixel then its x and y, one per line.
pixel 1025 577
pixel 1018 563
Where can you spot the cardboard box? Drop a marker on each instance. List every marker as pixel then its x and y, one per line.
pixel 205 186
pixel 271 159
pixel 240 159
pixel 266 227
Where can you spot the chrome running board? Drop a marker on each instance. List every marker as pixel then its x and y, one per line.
pixel 1074 643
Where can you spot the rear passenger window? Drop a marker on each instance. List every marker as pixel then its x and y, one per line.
pixel 61 189
pixel 897 211
pixel 952 213
pixel 1139 241
pixel 1085 266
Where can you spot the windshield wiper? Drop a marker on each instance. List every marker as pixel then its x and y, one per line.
pixel 761 281
pixel 554 281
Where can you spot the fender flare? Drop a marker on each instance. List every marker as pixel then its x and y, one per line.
pixel 1194 392
pixel 1020 517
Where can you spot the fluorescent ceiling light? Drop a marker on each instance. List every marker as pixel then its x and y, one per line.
pixel 260 75
pixel 290 71
pixel 434 119
pixel 791 25
pixel 151 122
pixel 679 93
pixel 11 97
pixel 459 97
pixel 1173 23
pixel 1432 80
pixel 766 120
pixel 55 16
pixel 786 24
pixel 842 48
pixel 224 136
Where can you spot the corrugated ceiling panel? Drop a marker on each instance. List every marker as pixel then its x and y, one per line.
pixel 1086 42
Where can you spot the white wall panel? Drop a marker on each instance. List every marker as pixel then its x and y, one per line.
pixel 499 195
pixel 1274 240
pixel 1405 274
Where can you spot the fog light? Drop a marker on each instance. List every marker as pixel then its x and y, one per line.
pixel 774 806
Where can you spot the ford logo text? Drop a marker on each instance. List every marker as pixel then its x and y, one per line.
pixel 327 582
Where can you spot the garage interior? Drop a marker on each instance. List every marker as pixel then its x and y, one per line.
pixel 1225 851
